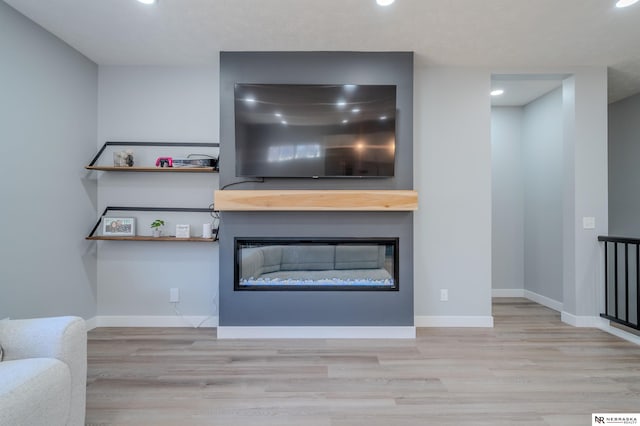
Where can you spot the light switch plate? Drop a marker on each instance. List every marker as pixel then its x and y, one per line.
pixel 589 222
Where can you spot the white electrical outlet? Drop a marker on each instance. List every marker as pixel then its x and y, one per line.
pixel 174 295
pixel 444 295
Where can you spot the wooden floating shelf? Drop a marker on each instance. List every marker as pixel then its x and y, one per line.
pixel 150 238
pixel 153 169
pixel 316 200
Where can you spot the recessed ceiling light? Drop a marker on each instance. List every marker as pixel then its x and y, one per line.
pixel 384 2
pixel 625 3
pixel 384 117
pixel 355 110
pixel 497 92
pixel 345 121
pixel 147 1
pixel 250 99
pixel 341 103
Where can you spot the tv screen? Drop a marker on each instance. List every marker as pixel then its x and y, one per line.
pixel 293 130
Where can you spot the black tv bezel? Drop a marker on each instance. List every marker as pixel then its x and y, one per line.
pixel 311 241
pixel 262 176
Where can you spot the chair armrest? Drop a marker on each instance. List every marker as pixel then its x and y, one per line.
pixel 63 338
pixel 58 337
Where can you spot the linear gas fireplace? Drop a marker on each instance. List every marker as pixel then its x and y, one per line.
pixel 316 264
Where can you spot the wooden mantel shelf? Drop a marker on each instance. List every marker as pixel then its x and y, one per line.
pixel 316 200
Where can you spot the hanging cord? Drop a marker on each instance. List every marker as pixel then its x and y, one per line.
pixel 202 155
pixel 261 180
pixel 178 313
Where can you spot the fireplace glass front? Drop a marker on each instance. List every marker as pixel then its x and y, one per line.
pixel 316 264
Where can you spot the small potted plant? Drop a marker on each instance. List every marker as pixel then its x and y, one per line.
pixel 156 227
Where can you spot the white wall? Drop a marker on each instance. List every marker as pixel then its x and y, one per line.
pixel 452 169
pixel 585 121
pixel 507 269
pixel 48 97
pixel 54 87
pixel 157 104
pixel 452 174
pixel 543 195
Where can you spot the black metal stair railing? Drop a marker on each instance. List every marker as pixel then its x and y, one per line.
pixel 622 280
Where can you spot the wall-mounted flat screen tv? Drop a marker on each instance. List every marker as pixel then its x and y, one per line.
pixel 302 130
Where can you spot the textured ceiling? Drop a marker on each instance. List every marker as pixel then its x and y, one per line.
pixel 497 34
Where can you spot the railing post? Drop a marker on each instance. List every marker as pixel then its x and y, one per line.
pixel 612 286
pixel 626 282
pixel 606 278
pixel 615 280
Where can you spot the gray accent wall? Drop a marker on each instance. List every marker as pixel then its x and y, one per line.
pixel 317 308
pixel 395 68
pixel 624 183
pixel 48 99
pixel 624 172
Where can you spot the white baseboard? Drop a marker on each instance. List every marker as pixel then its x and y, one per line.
pixel 543 300
pixel 399 332
pixel 600 323
pixel 507 292
pixel 582 320
pixel 200 321
pixel 619 333
pixel 535 297
pixel 454 321
pixel 91 323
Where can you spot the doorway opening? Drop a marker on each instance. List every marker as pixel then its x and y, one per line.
pixel 528 187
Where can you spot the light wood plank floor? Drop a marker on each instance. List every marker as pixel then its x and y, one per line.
pixel 529 370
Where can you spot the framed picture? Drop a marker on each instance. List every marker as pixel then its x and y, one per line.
pixel 119 226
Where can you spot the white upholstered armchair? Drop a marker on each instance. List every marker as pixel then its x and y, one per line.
pixel 44 371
